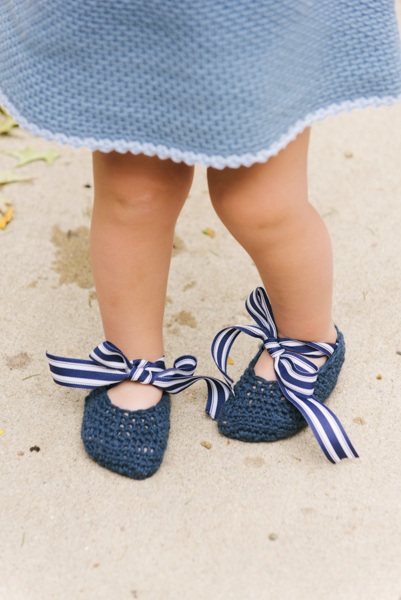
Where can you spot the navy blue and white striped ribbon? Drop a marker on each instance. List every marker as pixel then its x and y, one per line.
pixel 296 375
pixel 108 365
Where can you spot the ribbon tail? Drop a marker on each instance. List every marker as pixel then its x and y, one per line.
pixel 221 347
pixel 327 428
pixel 224 340
pixel 218 391
pixel 83 374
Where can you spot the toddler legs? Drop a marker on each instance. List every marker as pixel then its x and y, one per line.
pixel 137 203
pixel 266 209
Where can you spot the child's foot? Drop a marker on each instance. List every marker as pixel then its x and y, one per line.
pixel 261 409
pixel 129 443
pixel 258 412
pixel 131 395
pixel 265 365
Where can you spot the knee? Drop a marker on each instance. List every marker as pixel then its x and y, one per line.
pixel 139 187
pixel 252 208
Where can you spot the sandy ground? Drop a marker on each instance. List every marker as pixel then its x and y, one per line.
pixel 235 522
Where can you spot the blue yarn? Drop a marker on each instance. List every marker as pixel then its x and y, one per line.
pixel 215 81
pixel 258 412
pixel 131 443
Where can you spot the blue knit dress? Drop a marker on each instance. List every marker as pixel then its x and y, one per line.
pixel 219 82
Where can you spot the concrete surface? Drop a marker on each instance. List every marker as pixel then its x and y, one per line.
pixel 239 521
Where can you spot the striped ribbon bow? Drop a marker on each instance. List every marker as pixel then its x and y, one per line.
pixel 108 365
pixel 295 374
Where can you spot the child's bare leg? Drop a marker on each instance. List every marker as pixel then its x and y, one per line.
pixel 137 202
pixel 266 209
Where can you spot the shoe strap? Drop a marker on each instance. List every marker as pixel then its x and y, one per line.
pixel 296 375
pixel 108 365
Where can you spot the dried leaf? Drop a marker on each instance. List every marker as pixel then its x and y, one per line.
pixel 10 177
pixel 29 376
pixel 6 218
pixel 7 125
pixel 209 232
pixel 230 361
pixel 26 156
pixel 332 211
pixel 4 204
pixel 92 296
pixel 1 431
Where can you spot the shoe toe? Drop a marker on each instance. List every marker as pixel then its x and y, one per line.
pixel 258 412
pixel 131 443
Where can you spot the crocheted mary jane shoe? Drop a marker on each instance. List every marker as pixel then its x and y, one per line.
pixel 258 411
pixel 131 443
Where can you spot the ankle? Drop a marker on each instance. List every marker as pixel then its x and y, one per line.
pixel 324 333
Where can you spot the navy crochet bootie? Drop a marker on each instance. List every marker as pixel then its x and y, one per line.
pixel 258 411
pixel 131 443
pixel 263 411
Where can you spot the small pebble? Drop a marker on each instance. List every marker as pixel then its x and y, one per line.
pixel 399 350
pixel 228 443
pixel 206 445
pixel 96 565
pixel 348 154
pixel 379 377
pixel 359 421
pixel 20 453
pixel 273 536
pixel 34 448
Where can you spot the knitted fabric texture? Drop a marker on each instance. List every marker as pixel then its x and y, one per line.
pixel 131 443
pixel 218 82
pixel 258 412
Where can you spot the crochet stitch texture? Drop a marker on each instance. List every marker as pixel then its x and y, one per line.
pixel 218 82
pixel 258 412
pixel 131 443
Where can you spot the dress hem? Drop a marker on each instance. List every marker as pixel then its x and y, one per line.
pixel 233 161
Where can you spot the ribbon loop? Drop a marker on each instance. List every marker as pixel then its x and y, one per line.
pixel 296 375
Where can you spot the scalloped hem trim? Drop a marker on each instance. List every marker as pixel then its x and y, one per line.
pixel 190 158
